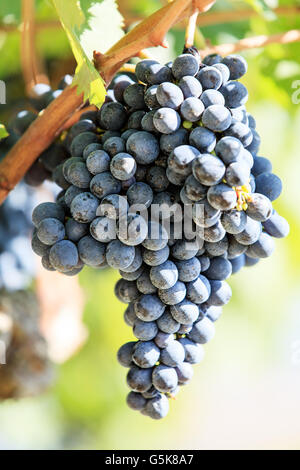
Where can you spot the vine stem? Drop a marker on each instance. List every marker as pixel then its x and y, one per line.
pixel 144 55
pixel 149 33
pixel 36 139
pixel 128 68
pixel 30 61
pixel 231 16
pixel 190 30
pixel 253 42
pixel 207 19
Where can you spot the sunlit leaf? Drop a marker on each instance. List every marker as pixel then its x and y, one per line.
pixel 3 132
pixel 84 22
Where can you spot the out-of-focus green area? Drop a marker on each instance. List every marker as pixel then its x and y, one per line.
pixel 246 392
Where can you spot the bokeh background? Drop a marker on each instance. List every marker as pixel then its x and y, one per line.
pixel 245 394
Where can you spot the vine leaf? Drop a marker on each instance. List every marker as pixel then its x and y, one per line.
pixel 3 132
pixel 105 25
pixel 84 25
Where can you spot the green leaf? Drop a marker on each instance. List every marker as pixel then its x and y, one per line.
pixel 90 26
pixel 105 25
pixel 3 132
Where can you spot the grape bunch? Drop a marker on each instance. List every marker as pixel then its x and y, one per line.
pixel 25 369
pixel 180 140
pixel 17 267
pixel 41 96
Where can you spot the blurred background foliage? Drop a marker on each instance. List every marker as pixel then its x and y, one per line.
pixel 246 392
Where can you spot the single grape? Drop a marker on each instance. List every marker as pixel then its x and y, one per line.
pixel 112 116
pixel 237 174
pixel 47 210
pixel 185 64
pixel 164 275
pixel 140 193
pixel 166 120
pixel 169 142
pixel 190 86
pixel 162 340
pixel 173 355
pixel 103 184
pixel 203 139
pixel 259 207
pixel 149 307
pixel 181 159
pixel 261 165
pixel 145 331
pixel 184 373
pixel 114 145
pixel 145 354
pixel 84 207
pixel 164 378
pixel 124 354
pixel 212 59
pixel 156 258
pixel 81 141
pixel 167 324
pixel 220 293
pixel 276 226
pixel 216 118
pixel 157 407
pixel 224 70
pixel 234 221
pixel 269 185
pixel 169 95
pixel 194 352
pixel 202 332
pixel 150 97
pixel 64 256
pixel 237 263
pixel 184 250
pixel 219 269
pixel 188 270
pixel 123 166
pixel 143 146
pixel 210 97
pixel 250 234
pixel 136 401
pixel 50 231
pixel 208 169
pixel 240 131
pixel 235 94
pixel 186 312
pixel 210 78
pixel 174 295
pixel 237 66
pixel 222 197
pixel 198 291
pixel 139 380
pixel 135 119
pixel 91 252
pixel 262 248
